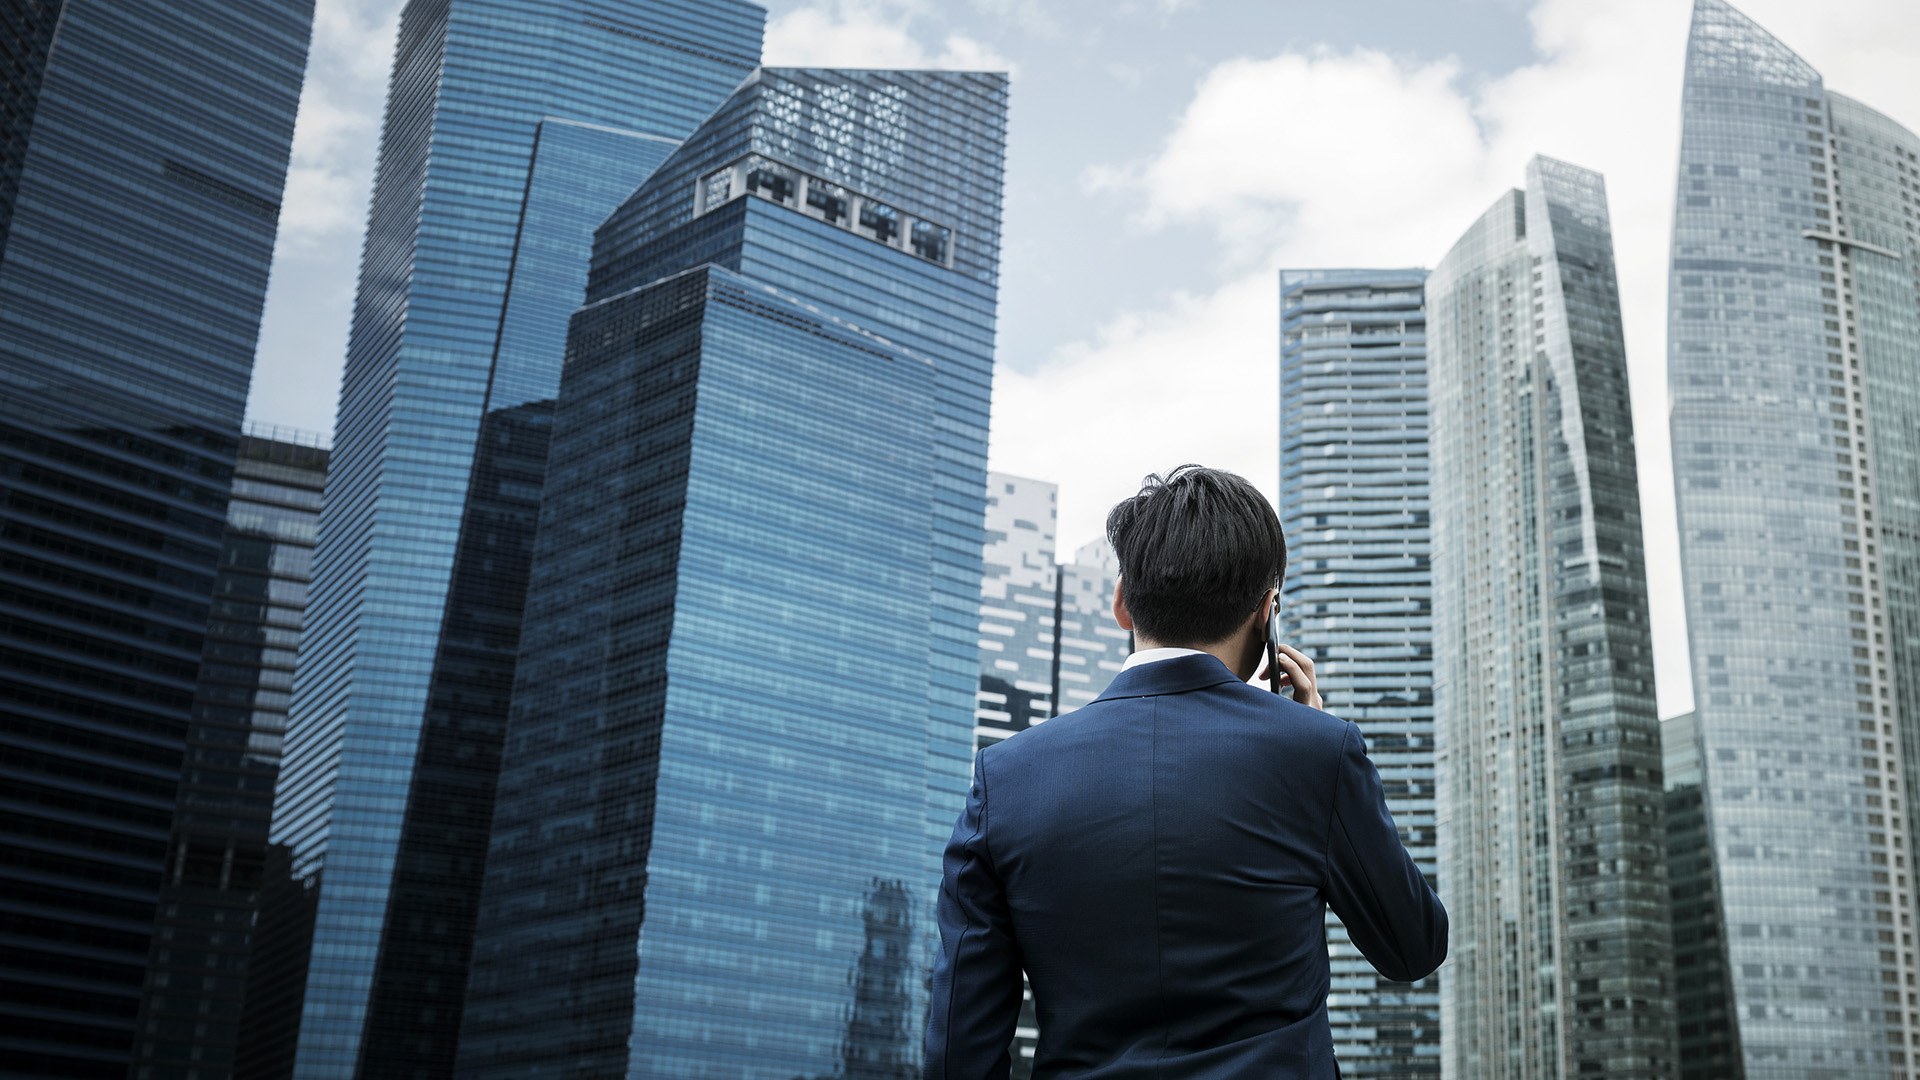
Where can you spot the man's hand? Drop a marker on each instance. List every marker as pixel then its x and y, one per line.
pixel 1296 671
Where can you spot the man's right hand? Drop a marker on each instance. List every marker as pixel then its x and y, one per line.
pixel 1296 671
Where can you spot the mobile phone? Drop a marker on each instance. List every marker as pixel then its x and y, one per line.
pixel 1273 646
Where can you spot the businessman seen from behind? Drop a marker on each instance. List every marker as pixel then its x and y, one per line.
pixel 1160 861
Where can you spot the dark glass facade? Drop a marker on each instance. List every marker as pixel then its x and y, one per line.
pixel 1550 810
pixel 143 149
pixel 1702 992
pixel 196 983
pixel 1794 369
pixel 513 128
pixel 711 796
pixel 1359 599
pixel 739 708
pixel 819 184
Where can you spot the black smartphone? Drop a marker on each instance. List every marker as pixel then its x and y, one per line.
pixel 1273 646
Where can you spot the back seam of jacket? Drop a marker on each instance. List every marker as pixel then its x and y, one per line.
pixel 959 943
pixel 1159 934
pixel 1333 804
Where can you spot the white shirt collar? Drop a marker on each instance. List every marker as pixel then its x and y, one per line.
pixel 1150 656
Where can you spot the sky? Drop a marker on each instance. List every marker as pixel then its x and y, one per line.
pixel 1165 159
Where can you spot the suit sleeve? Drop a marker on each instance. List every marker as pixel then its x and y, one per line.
pixel 976 978
pixel 1381 896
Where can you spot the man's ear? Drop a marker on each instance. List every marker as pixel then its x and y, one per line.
pixel 1120 613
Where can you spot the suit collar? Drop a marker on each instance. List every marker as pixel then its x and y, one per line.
pixel 1176 676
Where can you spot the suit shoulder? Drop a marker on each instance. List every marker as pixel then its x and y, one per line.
pixel 1300 722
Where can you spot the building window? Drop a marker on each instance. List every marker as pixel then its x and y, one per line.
pixel 824 202
pixel 775 183
pixel 827 202
pixel 930 241
pixel 880 221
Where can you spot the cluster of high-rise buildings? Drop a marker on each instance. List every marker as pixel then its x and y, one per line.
pixel 608 714
pixel 1726 894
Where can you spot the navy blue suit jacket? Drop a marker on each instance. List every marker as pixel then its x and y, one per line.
pixel 1160 863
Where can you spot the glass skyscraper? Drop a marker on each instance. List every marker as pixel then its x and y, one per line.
pixel 1794 372
pixel 1552 845
pixel 513 128
pixel 143 150
pixel 744 699
pixel 197 979
pixel 1359 600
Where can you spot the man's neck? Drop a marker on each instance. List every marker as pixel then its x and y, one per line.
pixel 1232 652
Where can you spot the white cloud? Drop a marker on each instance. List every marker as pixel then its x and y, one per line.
pixel 1325 158
pixel 338 130
pixel 853 34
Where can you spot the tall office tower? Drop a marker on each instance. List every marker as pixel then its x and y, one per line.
pixel 196 979
pixel 1047 633
pixel 1089 647
pixel 1794 370
pixel 745 694
pixel 513 128
pixel 1552 852
pixel 1353 503
pixel 1018 588
pixel 1701 990
pixel 143 149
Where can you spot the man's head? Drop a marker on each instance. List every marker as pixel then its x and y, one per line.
pixel 1199 549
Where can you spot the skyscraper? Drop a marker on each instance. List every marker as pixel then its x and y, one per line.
pixel 197 979
pixel 1702 1003
pixel 143 149
pixel 1552 848
pixel 1353 503
pixel 1047 633
pixel 513 127
pixel 1089 646
pixel 1794 369
pixel 1018 586
pixel 745 692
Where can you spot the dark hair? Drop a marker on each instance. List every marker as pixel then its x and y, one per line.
pixel 1198 550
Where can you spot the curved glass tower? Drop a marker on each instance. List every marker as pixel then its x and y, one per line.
pixel 1353 501
pixel 1552 852
pixel 1794 369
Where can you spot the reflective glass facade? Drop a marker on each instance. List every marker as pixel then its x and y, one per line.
pixel 143 150
pixel 1794 372
pixel 1353 503
pixel 896 146
pixel 708 845
pixel 1552 851
pixel 197 979
pixel 743 710
pixel 513 127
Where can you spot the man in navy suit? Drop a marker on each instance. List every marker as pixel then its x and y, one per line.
pixel 1160 861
